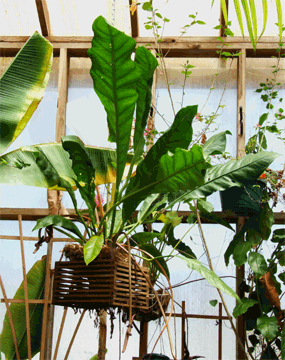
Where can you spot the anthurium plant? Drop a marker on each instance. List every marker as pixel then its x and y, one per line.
pixel 169 173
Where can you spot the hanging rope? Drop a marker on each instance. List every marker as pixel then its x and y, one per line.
pixel 113 12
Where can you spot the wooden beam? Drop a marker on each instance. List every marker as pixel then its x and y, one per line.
pixel 174 46
pixel 32 214
pixel 134 22
pixel 44 18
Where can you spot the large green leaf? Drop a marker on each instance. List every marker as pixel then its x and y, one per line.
pixel 147 63
pixel 216 144
pixel 233 173
pixel 210 276
pixel 84 170
pixel 22 87
pixel 242 306
pixel 36 282
pixel 115 78
pixel 257 263
pixel 179 135
pixel 57 220
pixel 268 326
pixel 103 160
pixel 182 170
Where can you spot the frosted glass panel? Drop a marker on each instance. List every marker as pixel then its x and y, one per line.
pixel 178 14
pixel 18 17
pixel 77 16
pixel 197 92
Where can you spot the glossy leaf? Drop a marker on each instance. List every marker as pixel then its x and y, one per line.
pixel 210 276
pixel 147 206
pixel 115 78
pixel 242 306
pixel 182 170
pixel 216 144
pixel 147 64
pixel 240 252
pixel 57 162
pixel 84 171
pixel 22 87
pixel 92 248
pixel 36 282
pixel 57 220
pixel 268 326
pixel 179 135
pixel 233 173
pixel 257 263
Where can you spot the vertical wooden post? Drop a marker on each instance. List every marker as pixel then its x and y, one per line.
pixel 26 293
pixel 241 90
pixel 54 203
pixel 183 335
pixel 102 336
pixel 220 336
pixel 143 338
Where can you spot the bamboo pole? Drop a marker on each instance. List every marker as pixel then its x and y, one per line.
pixel 102 336
pixel 241 100
pixel 26 294
pixel 74 335
pixel 60 332
pixel 10 319
pixel 46 300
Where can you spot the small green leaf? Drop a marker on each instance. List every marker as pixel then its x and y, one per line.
pixel 213 302
pixel 257 263
pixel 146 5
pixel 92 248
pixel 263 117
pixel 242 306
pixel 281 258
pixel 267 326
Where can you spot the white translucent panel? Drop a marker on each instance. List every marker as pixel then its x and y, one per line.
pixel 18 17
pixel 40 129
pixel 197 92
pixel 178 14
pixel 75 17
pixel 271 27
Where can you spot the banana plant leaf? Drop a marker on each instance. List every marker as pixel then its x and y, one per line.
pixel 30 172
pixel 115 78
pixel 36 282
pixel 22 87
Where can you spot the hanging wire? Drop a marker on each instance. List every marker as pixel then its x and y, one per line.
pixel 113 12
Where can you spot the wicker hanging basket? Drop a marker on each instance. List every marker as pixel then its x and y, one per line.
pixel 104 283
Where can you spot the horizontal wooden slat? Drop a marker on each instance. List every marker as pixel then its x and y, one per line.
pixel 205 46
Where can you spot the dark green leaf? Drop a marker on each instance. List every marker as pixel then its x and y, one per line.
pixel 153 251
pixel 115 78
pixel 233 173
pixel 278 236
pixel 216 144
pixel 267 326
pixel 242 306
pixel 257 263
pixel 84 171
pixel 92 248
pixel 240 252
pixel 213 302
pixel 57 220
pixel 144 237
pixel 36 283
pixel 281 258
pixel 262 118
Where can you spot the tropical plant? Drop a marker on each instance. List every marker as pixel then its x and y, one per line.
pixel 168 174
